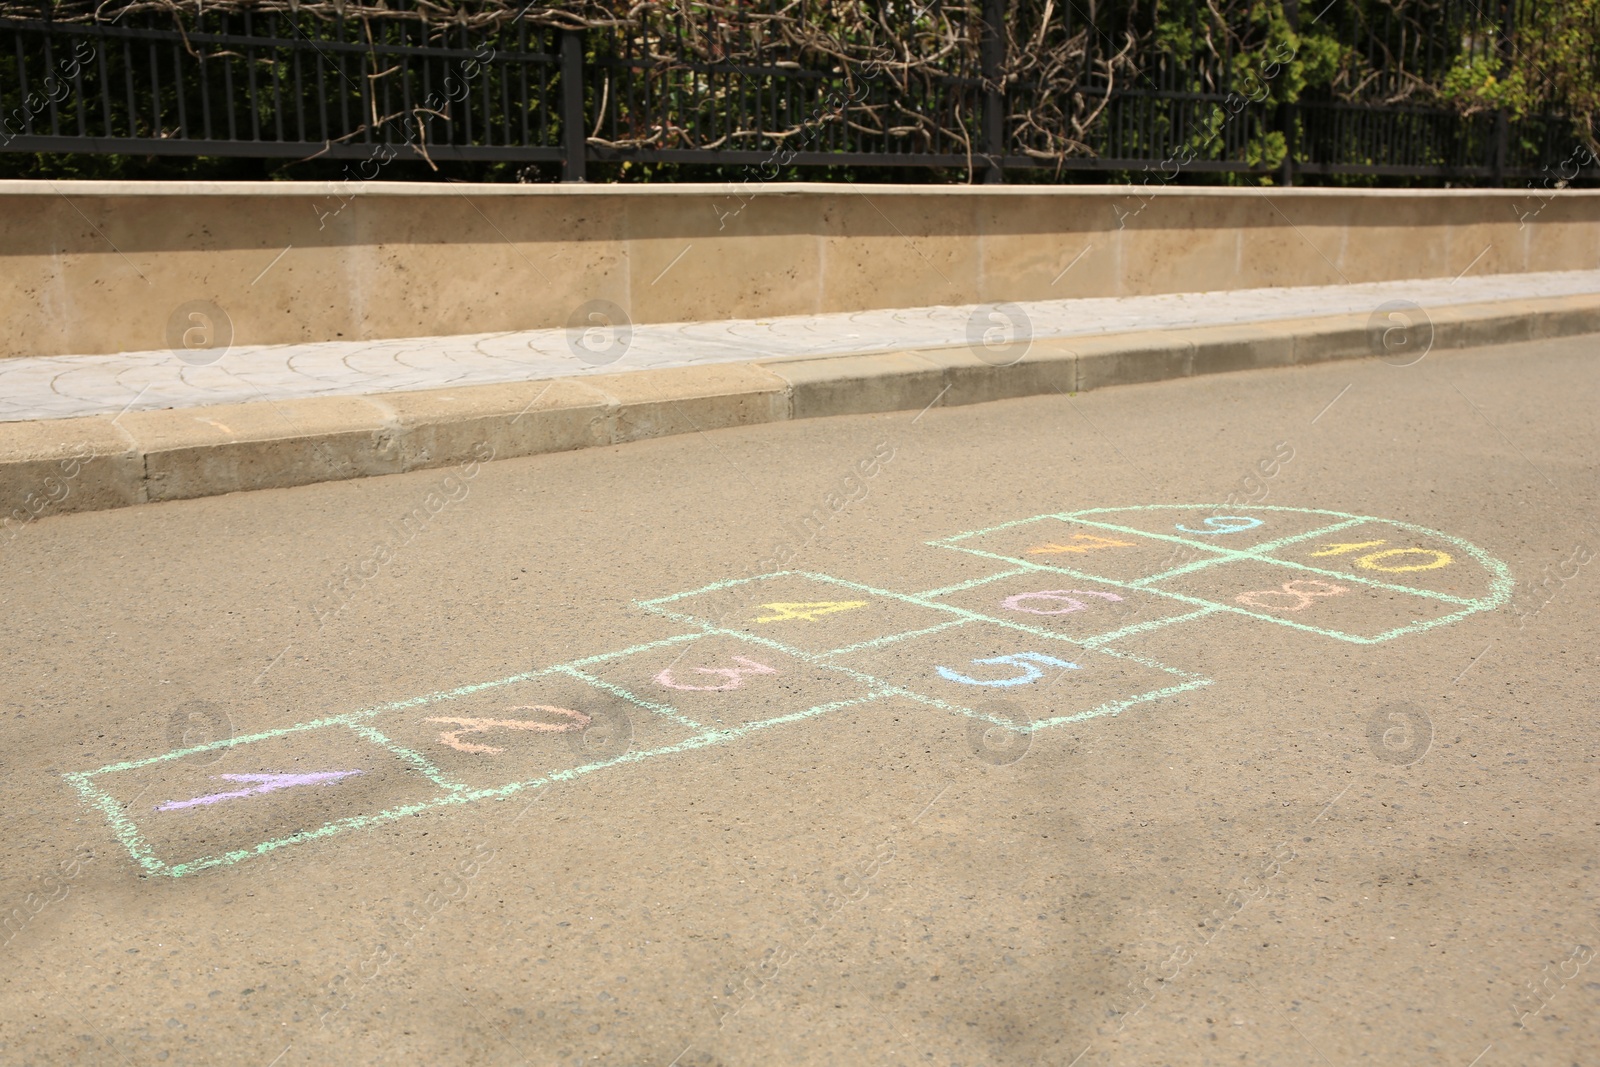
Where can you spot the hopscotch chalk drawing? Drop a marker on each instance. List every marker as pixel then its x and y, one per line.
pixel 779 649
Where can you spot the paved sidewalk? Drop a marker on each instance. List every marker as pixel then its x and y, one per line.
pixel 55 387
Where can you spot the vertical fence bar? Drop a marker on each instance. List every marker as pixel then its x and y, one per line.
pixel 1286 110
pixel 322 99
pixel 273 58
pixel 227 87
pixel 366 90
pixel 992 56
pixel 486 120
pixel 22 89
pixel 103 42
pixel 253 95
pixel 522 67
pixel 177 82
pixel 1501 121
pixel 203 76
pixel 127 79
pixel 52 81
pixel 157 126
pixel 504 68
pixel 297 52
pixel 344 85
pixel 460 74
pixel 79 104
pixel 573 142
pixel 406 106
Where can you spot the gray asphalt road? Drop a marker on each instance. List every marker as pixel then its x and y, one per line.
pixel 1245 749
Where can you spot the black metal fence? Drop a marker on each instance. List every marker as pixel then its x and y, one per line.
pixel 231 81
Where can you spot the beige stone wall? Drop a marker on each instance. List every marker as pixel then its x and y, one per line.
pixel 91 267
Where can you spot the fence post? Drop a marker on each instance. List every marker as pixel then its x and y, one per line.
pixel 1502 130
pixel 573 140
pixel 992 56
pixel 1286 115
pixel 1504 51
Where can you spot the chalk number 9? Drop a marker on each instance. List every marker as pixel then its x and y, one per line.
pixel 1221 524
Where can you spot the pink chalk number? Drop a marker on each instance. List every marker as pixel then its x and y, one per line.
pixel 1063 596
pixel 735 676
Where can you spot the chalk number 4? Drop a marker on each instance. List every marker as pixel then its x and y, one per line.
pixel 1081 543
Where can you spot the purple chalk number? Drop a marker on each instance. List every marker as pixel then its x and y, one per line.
pixel 265 783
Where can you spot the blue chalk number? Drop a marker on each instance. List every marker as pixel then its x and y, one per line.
pixel 1217 527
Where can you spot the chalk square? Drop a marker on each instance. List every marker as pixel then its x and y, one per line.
pixel 1220 527
pixel 724 681
pixel 1395 554
pixel 164 797
pixel 1081 550
pixel 1075 609
pixel 810 613
pixel 524 731
pixel 1047 678
pixel 1349 610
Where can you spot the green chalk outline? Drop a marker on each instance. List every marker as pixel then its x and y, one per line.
pixel 884 688
pixel 422 763
pixel 127 832
pixel 1259 555
pixel 361 822
pixel 823 659
pixel 1499 574
pixel 961 587
pixel 664 710
pixel 122 827
pixel 654 605
pixel 1501 582
pixel 1213 606
pixel 1145 627
pixel 915 599
pixel 1092 641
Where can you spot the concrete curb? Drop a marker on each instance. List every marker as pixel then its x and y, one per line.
pixel 88 464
